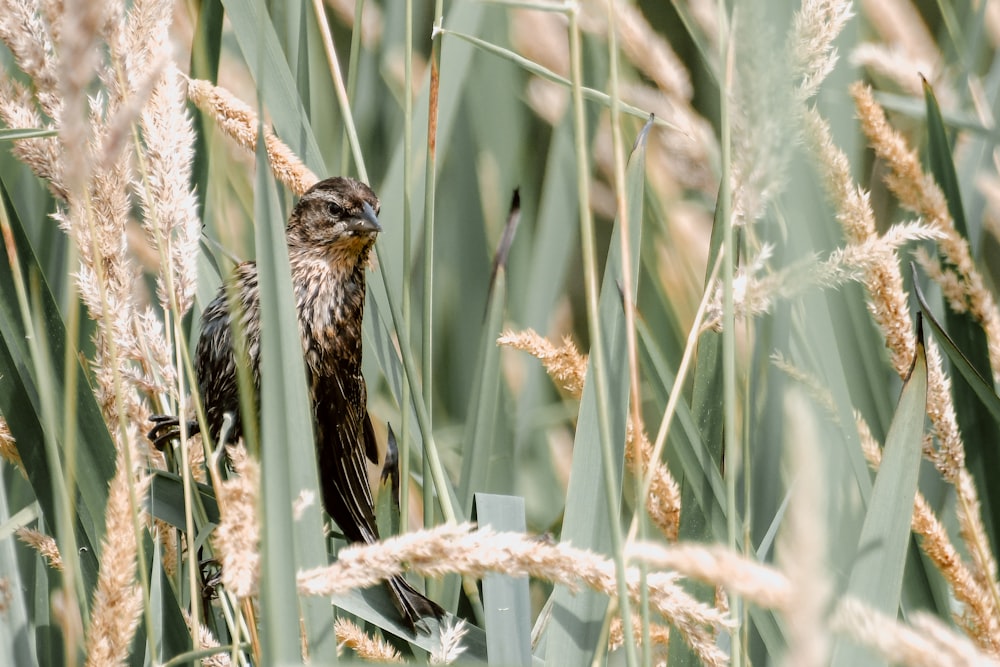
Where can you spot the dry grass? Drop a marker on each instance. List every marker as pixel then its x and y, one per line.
pixel 107 79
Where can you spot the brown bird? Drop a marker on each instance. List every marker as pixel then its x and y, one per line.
pixel 330 235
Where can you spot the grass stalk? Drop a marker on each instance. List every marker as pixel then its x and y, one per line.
pixel 628 299
pixel 116 375
pixel 350 131
pixel 534 68
pixel 70 411
pixel 731 442
pixel 352 76
pixel 430 190
pixel 407 263
pixel 65 518
pixel 594 328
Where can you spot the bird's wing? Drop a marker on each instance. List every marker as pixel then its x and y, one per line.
pixel 343 439
pixel 215 358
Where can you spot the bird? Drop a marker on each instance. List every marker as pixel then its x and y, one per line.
pixel 330 235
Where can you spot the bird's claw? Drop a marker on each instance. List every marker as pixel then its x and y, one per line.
pixel 167 428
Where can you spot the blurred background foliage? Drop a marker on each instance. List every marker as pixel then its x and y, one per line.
pixel 500 127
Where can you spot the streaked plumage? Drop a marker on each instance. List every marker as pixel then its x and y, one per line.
pixel 330 235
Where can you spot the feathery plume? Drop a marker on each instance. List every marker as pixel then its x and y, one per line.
pixel 44 544
pixel 565 365
pixel 754 295
pixel 814 28
pixel 117 602
pixel 450 648
pixel 8 447
pixel 898 23
pixel 980 620
pixel 644 47
pixel 365 646
pixel 802 544
pixel 568 368
pixel 170 209
pixel 919 192
pixel 239 122
pixel 659 637
pixel 237 538
pixel 207 641
pixel 925 644
pixel 449 548
pixel 888 62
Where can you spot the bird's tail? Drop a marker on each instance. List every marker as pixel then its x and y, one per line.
pixel 412 605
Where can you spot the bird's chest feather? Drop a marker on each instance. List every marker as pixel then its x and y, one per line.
pixel 331 308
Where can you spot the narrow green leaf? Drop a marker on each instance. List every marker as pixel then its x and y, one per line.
pixel 206 47
pixel 506 600
pixel 702 475
pixel 984 391
pixel 166 499
pixel 980 430
pixel 942 166
pixel 286 433
pixel 481 423
pixel 877 575
pixel 14 135
pixel 21 403
pixel 374 606
pixel 16 647
pixel 577 619
pixel 263 54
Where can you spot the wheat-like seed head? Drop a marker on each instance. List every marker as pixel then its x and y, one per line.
pixel 237 538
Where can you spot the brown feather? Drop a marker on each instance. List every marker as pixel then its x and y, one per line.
pixel 330 235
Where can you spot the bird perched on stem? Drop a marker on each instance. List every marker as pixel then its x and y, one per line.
pixel 330 234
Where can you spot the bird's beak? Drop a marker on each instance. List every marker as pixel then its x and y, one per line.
pixel 367 221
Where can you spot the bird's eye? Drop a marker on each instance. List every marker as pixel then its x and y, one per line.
pixel 335 209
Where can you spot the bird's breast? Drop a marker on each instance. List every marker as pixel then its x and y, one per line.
pixel 331 309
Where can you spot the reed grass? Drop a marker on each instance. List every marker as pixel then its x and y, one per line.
pixel 732 273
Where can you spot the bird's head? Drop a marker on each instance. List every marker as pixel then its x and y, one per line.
pixel 336 218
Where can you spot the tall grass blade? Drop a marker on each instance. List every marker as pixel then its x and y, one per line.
pixel 479 442
pixel 577 620
pixel 286 433
pixel 980 431
pixel 983 389
pixel 19 399
pixel 16 647
pixel 258 39
pixel 877 576
pixel 707 411
pixel 166 499
pixel 14 135
pixel 506 600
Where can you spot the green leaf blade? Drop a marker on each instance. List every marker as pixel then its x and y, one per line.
pixel 877 576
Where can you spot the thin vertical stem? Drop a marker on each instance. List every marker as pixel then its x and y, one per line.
pixel 352 77
pixel 404 403
pixel 593 324
pixel 732 441
pixel 430 189
pixel 64 519
pixel 627 295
